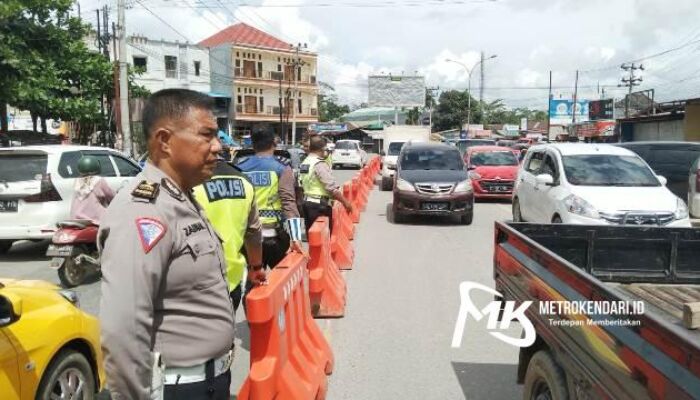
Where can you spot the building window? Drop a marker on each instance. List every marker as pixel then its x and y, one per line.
pixel 262 104
pixel 140 64
pixel 239 99
pixel 238 54
pixel 299 106
pixel 259 56
pixel 238 63
pixel 196 68
pixel 260 70
pixel 279 67
pixel 170 67
pixel 239 90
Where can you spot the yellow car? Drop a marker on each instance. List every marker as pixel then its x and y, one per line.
pixel 49 348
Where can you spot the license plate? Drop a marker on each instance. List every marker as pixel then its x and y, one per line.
pixel 344 154
pixel 501 188
pixel 56 262
pixel 57 250
pixel 8 205
pixel 435 206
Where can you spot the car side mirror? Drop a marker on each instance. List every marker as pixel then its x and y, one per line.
pixel 382 153
pixel 662 180
pixel 545 179
pixel 10 309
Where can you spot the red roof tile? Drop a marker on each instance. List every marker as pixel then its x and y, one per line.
pixel 244 35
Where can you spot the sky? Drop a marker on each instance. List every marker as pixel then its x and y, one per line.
pixel 357 38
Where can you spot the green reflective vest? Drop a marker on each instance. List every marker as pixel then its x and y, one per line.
pixel 267 196
pixel 313 187
pixel 227 201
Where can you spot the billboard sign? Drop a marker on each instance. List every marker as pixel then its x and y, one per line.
pixel 396 91
pixel 561 111
pixel 601 110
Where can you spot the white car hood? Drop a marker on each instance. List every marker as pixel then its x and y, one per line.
pixel 610 199
pixel 390 160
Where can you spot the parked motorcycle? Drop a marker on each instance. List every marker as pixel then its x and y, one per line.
pixel 74 251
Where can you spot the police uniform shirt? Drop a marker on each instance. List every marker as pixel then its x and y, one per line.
pixel 163 284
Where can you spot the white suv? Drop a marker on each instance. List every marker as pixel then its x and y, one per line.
pixel 348 152
pixel 36 186
pixel 593 184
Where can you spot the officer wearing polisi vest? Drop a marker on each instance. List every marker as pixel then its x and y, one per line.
pixel 228 199
pixel 166 315
pixel 320 187
pixel 273 181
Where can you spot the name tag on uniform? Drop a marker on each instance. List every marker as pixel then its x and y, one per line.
pixel 224 188
pixel 259 178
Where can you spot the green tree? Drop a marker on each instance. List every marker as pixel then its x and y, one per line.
pixel 328 107
pixel 451 112
pixel 413 116
pixel 46 67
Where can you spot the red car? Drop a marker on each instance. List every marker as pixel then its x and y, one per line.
pixel 492 170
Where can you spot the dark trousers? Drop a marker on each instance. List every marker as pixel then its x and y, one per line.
pixel 315 210
pixel 275 248
pixel 236 296
pixel 217 388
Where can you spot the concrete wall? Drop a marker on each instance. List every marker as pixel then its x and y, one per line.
pixel 664 130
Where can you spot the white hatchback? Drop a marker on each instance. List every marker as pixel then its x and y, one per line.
pixel 348 152
pixel 593 184
pixel 36 186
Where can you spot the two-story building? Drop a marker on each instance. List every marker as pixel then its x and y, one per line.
pixel 270 82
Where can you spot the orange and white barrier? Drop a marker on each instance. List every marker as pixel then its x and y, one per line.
pixel 289 356
pixel 341 248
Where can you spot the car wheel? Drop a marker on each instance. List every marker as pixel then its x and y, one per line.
pixel 517 216
pixel 387 184
pixel 68 376
pixel 397 217
pixel 71 274
pixel 544 379
pixel 5 246
pixel 467 219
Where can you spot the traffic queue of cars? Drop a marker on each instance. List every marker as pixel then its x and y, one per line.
pixel 640 183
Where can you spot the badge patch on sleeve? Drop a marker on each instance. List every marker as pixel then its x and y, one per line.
pixel 150 232
pixel 224 188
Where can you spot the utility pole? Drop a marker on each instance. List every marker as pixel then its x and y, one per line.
pixel 282 133
pixel 630 82
pixel 115 106
pixel 123 82
pixel 575 105
pixel 549 105
pixel 481 84
pixel 297 63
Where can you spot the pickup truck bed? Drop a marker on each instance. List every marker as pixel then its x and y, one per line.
pixel 659 358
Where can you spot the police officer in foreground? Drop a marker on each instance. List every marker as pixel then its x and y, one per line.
pixel 320 187
pixel 228 200
pixel 275 196
pixel 166 315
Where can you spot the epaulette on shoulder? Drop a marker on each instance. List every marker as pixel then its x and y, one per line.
pixel 284 161
pixel 146 190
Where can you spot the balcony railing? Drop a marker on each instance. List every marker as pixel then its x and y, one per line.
pixel 273 76
pixel 273 111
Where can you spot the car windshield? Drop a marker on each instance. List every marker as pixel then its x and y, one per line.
pixel 439 159
pixel 608 170
pixel 346 146
pixel 16 167
pixel 493 158
pixel 395 148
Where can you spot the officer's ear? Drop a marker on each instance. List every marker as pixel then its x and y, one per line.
pixel 162 140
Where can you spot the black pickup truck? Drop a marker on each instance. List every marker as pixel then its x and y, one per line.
pixel 586 353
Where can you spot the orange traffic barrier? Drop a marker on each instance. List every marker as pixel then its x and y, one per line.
pixel 349 191
pixel 327 289
pixel 341 249
pixel 289 356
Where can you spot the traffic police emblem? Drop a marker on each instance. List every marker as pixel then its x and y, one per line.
pixel 150 232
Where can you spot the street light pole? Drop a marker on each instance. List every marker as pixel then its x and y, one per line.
pixel 469 84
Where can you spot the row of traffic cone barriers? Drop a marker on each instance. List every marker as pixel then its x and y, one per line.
pixel 290 358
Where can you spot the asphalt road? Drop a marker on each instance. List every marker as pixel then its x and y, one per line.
pixel 403 299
